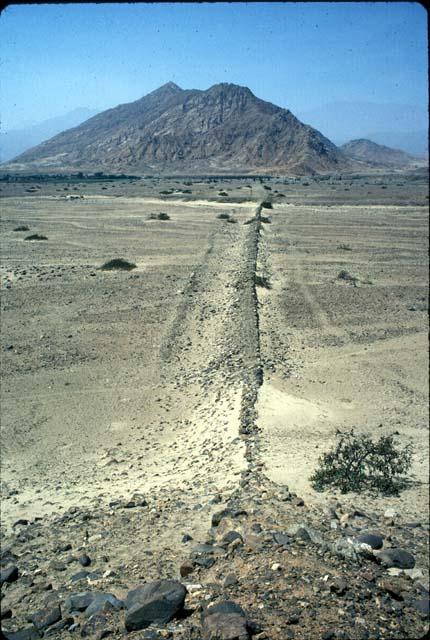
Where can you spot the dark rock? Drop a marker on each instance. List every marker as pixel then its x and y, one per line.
pixel 103 602
pixel 422 606
pixel 226 513
pixel 85 560
pixel 6 614
pixel 396 558
pixel 298 502
pixel 339 586
pixel 372 539
pixel 29 633
pixel 154 602
pixel 230 580
pixel 225 621
pixel 186 537
pixel 80 601
pixel 65 623
pixel 282 538
pixel 230 536
pixel 96 627
pixel 186 568
pixel 9 574
pixel 81 575
pixel 44 618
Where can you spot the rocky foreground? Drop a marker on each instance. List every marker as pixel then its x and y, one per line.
pixel 271 567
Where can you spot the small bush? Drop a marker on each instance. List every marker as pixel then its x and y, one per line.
pixel 347 277
pixel 223 193
pixel 36 236
pixel 163 216
pixel 232 220
pixel 267 205
pixel 265 219
pixel 344 247
pixel 266 187
pixel 262 281
pixel 165 193
pixel 118 264
pixel 223 216
pixel 22 227
pixel 358 463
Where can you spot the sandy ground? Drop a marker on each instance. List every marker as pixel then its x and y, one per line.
pixel 123 382
pixel 341 356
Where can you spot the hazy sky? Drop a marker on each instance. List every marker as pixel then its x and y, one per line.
pixel 298 55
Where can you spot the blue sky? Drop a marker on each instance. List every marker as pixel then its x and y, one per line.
pixel 298 55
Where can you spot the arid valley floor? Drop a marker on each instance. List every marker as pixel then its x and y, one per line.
pixel 137 405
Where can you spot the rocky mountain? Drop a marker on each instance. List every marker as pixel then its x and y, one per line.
pixel 224 128
pixel 364 150
pixel 16 141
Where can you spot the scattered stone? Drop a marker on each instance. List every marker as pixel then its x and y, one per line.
pixel 230 580
pixel 29 633
pixel 231 536
pixel 225 621
pixel 374 541
pixel 85 560
pixel 282 539
pixel 9 574
pixel 154 602
pixel 46 617
pixel 96 627
pixel 186 568
pixel 396 557
pixel 103 602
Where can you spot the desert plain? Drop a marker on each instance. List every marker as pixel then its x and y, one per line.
pixel 217 371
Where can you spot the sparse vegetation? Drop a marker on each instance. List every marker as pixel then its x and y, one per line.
pixel 223 216
pixel 344 247
pixel 118 264
pixel 35 236
pixel 359 463
pixel 159 216
pixel 232 220
pixel 265 219
pixel 347 277
pixel 223 193
pixel 267 204
pixel 22 227
pixel 262 281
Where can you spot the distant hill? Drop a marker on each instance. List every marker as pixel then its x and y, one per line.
pixel 15 141
pixel 378 155
pixel 400 126
pixel 225 128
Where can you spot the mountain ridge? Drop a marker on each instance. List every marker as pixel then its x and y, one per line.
pixel 225 127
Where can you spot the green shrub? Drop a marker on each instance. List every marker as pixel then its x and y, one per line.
pixel 262 281
pixel 118 264
pixel 344 247
pixel 347 277
pixel 35 236
pixel 267 205
pixel 223 193
pixel 163 216
pixel 223 216
pixel 22 227
pixel 358 463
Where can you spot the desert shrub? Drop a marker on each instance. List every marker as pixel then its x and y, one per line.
pixel 35 236
pixel 165 193
pixel 223 216
pixel 359 463
pixel 223 193
pixel 267 204
pixel 118 264
pixel 347 277
pixel 262 281
pixel 250 221
pixel 267 187
pixel 163 216
pixel 344 247
pixel 232 220
pixel 265 219
pixel 22 227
